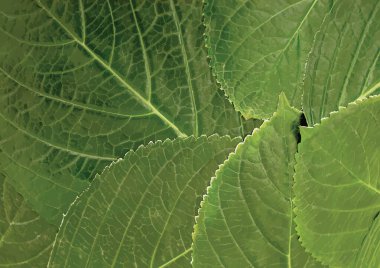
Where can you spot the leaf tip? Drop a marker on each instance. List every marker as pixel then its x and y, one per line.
pixel 306 132
pixel 283 102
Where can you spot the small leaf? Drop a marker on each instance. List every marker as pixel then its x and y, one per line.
pixel 337 185
pixel 25 238
pixel 82 82
pixel 246 218
pixel 344 64
pixel 259 49
pixel 140 211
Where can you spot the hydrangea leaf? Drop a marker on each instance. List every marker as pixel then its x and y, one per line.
pixel 82 82
pixel 370 249
pixel 246 218
pixel 259 49
pixel 25 238
pixel 140 211
pixel 344 64
pixel 337 185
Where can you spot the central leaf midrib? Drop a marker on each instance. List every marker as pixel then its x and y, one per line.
pixel 129 87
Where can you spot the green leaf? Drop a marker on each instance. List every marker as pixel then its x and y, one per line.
pixel 344 64
pixel 82 82
pixel 140 211
pixel 259 49
pixel 25 238
pixel 370 250
pixel 246 219
pixel 337 185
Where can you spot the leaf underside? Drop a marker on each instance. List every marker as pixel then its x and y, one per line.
pixel 82 82
pixel 246 219
pixel 337 186
pixel 140 211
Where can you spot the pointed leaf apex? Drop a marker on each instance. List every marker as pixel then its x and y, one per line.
pixel 283 102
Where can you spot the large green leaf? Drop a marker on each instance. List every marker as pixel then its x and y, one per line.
pixel 246 219
pixel 344 64
pixel 82 82
pixel 259 48
pixel 25 239
pixel 140 211
pixel 337 185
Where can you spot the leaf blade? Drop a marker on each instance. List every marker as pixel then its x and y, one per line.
pixel 246 217
pixel 25 238
pixel 336 73
pixel 282 36
pixel 82 83
pixel 339 158
pixel 142 207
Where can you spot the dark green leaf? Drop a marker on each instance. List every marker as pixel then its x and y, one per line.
pixel 82 82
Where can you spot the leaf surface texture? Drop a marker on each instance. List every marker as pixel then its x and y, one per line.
pixel 337 185
pixel 25 238
pixel 246 218
pixel 140 211
pixel 82 82
pixel 344 63
pixel 269 58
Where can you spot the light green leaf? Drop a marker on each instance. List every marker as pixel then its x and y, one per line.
pixel 259 48
pixel 344 64
pixel 370 249
pixel 140 211
pixel 82 82
pixel 337 184
pixel 246 219
pixel 25 239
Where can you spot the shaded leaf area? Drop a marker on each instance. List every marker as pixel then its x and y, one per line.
pixel 82 82
pixel 344 64
pixel 25 238
pixel 269 58
pixel 337 186
pixel 246 218
pixel 140 211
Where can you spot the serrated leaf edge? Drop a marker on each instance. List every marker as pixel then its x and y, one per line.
pixel 283 104
pixel 333 114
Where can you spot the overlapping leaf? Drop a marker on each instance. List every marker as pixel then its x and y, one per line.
pixel 25 238
pixel 140 211
pixel 259 49
pixel 344 64
pixel 337 186
pixel 246 219
pixel 81 82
